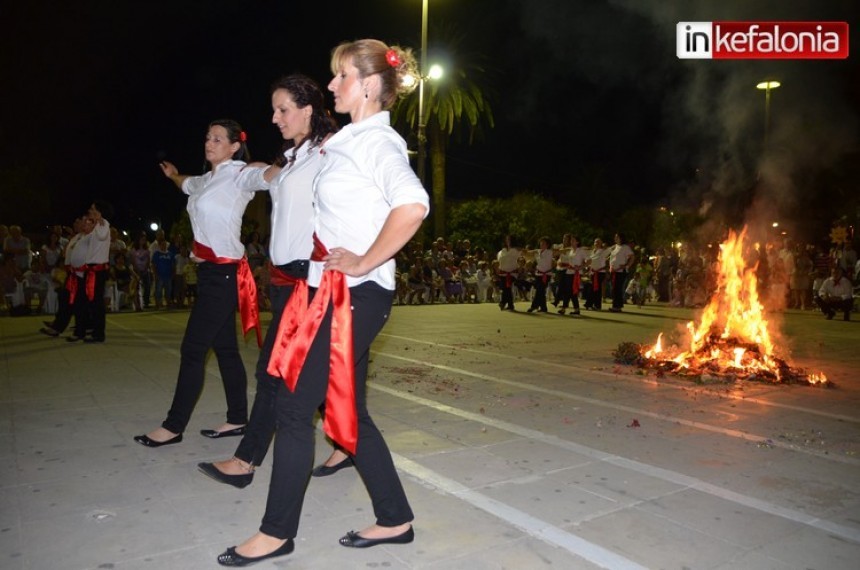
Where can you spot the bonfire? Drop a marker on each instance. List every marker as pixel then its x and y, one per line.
pixel 731 340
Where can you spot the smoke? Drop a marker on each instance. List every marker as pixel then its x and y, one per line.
pixel 712 118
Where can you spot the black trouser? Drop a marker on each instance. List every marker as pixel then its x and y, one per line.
pixel 565 292
pixel 595 292
pixel 212 324
pixel 831 307
pixel 294 443
pixel 619 279
pixel 505 284
pixel 64 308
pixel 539 300
pixel 90 313
pixel 261 426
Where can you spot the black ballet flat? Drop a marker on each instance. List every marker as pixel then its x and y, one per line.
pixel 213 434
pixel 232 558
pixel 355 540
pixel 49 331
pixel 238 481
pixel 325 470
pixel 145 440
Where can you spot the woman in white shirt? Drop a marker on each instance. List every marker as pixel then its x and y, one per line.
pixel 299 113
pixel 369 204
pixel 216 202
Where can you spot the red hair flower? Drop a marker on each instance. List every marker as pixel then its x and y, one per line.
pixel 392 58
pixel 243 136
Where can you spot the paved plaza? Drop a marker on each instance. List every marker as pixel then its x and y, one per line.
pixel 521 445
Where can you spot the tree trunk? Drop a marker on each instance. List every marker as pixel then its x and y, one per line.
pixel 437 168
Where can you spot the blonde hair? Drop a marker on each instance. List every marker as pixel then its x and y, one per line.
pixel 374 57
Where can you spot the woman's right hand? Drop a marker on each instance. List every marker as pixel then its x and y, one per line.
pixel 168 168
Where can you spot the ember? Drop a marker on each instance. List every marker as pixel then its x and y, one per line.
pixel 731 340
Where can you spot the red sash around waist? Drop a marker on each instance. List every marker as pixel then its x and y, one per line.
pixel 280 278
pixel 296 332
pixel 89 272
pixel 247 288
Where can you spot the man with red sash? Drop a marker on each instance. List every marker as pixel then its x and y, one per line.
pixel 507 258
pixel 543 273
pixel 87 288
pixel 598 262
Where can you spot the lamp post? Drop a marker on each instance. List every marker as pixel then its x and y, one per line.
pixel 422 127
pixel 767 87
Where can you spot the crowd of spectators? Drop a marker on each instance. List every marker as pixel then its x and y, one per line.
pixel 161 274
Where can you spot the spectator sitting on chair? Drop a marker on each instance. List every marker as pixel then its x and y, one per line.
pixel 836 294
pixel 37 281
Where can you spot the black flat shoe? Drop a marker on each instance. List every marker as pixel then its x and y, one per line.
pixel 145 440
pixel 324 470
pixel 238 481
pixel 74 338
pixel 49 331
pixel 92 339
pixel 355 540
pixel 232 558
pixel 213 434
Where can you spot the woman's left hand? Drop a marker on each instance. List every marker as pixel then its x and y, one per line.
pixel 345 261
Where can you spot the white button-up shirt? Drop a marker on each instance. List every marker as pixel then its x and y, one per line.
pixel 365 174
pixel 292 204
pixel 216 202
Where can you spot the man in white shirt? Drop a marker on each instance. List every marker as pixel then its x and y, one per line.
pixel 836 294
pixel 90 310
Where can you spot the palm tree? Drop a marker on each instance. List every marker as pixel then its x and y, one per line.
pixel 454 107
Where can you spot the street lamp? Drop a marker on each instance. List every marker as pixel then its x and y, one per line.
pixel 767 86
pixel 422 135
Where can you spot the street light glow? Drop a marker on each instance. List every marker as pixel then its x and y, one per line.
pixel 435 72
pixel 768 85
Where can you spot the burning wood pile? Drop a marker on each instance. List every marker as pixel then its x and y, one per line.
pixel 731 341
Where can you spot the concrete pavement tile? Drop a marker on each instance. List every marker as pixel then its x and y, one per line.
pixel 10 511
pixel 721 519
pixel 654 543
pixel 550 499
pixel 98 487
pixel 47 402
pixel 56 463
pixel 615 483
pixel 100 536
pixel 417 443
pixel 475 467
pixel 63 430
pixel 522 553
pixel 537 456
pixel 755 560
pixel 809 548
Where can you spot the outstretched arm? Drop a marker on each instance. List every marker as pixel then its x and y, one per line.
pixel 172 172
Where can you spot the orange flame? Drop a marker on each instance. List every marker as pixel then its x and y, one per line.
pixel 732 335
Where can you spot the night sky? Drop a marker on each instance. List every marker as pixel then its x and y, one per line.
pixel 592 107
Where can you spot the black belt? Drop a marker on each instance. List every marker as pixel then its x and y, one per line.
pixel 298 268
